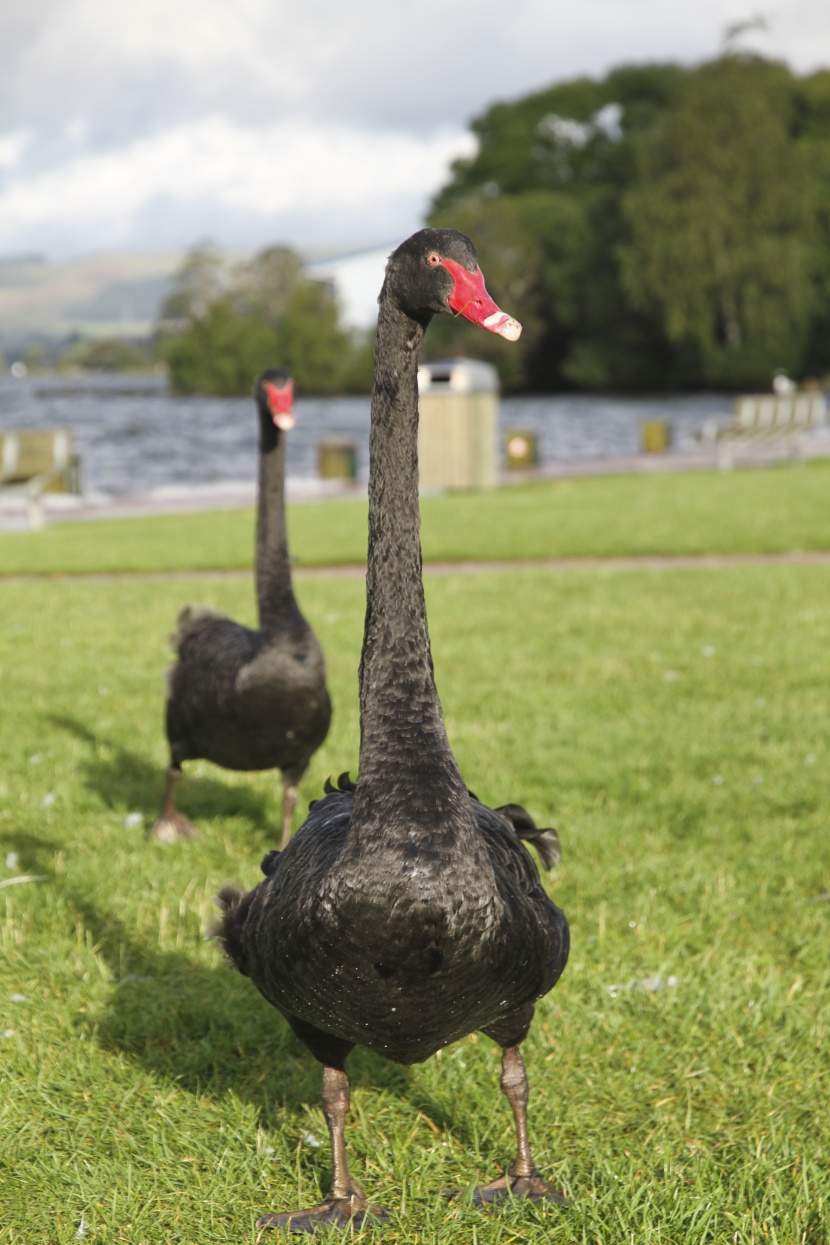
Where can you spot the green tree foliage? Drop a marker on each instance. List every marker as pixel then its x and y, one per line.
pixel 200 281
pixel 721 224
pixel 221 326
pixel 220 353
pixel 663 226
pixel 264 287
pixel 310 339
pixel 108 354
pixel 813 127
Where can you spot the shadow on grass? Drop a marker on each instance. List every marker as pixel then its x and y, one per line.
pixel 210 1032
pixel 125 781
pixel 35 854
pixel 208 1028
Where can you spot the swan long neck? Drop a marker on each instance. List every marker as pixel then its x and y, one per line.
pixel 278 610
pixel 403 739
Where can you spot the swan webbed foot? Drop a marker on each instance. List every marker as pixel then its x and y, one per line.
pixel 170 827
pixel 524 1178
pixel 335 1212
pixel 346 1204
pixel 289 803
pixel 533 1187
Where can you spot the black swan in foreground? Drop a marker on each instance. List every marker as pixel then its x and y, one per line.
pixel 250 700
pixel 404 913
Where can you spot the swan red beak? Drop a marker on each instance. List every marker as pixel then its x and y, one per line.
pixel 470 299
pixel 280 402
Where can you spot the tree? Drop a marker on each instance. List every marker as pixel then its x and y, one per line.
pixel 230 324
pixel 220 353
pixel 812 127
pixel 528 244
pixel 316 350
pixel 663 226
pixel 547 182
pixel 721 224
pixel 201 279
pixel 108 354
pixel 264 286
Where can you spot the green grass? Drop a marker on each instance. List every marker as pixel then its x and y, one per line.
pixel 773 510
pixel 673 726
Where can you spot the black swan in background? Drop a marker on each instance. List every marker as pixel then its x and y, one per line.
pixel 250 700
pixel 404 913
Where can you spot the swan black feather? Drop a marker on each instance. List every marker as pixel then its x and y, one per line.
pixel 245 699
pixel 404 913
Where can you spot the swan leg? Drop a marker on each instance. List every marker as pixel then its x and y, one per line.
pixel 170 825
pixel 346 1203
pixel 289 803
pixel 523 1179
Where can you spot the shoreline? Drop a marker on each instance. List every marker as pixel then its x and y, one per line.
pixel 238 494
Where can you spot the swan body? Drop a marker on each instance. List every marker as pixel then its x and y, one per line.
pixel 404 914
pixel 420 969
pixel 245 699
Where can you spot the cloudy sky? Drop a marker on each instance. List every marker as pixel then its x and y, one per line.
pixel 152 123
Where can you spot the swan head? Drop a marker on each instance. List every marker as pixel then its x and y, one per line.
pixel 436 272
pixel 274 391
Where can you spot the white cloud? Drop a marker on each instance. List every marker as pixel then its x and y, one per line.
pixel 153 123
pixel 12 147
pixel 275 174
pixel 374 63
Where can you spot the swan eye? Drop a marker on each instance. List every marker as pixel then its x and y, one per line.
pixel 433 259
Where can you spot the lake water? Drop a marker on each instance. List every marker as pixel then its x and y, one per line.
pixel 133 436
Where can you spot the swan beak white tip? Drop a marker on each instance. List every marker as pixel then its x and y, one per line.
pixel 504 325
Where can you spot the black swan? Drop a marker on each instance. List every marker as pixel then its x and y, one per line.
pixel 250 700
pixel 404 913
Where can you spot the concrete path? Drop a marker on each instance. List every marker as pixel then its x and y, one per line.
pixel 647 562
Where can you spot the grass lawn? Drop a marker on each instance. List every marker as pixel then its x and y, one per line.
pixel 672 725
pixel 771 510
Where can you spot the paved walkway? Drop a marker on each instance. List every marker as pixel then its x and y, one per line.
pixel 646 562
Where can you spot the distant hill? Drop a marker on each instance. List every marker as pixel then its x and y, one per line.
pixel 120 294
pixel 97 296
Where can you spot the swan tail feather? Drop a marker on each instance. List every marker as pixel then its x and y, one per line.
pixel 228 929
pixel 270 862
pixel 188 618
pixel 344 783
pixel 343 786
pixel 545 840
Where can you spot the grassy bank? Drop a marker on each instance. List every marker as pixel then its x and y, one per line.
pixel 673 727
pixel 760 511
